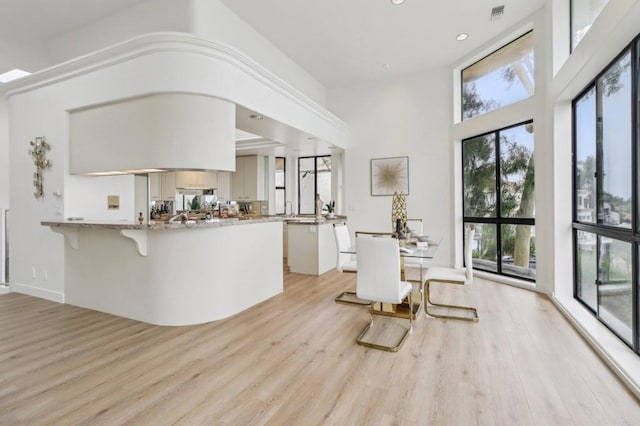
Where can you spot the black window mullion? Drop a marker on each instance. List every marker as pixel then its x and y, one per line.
pixel 497 219
pixel 635 134
pixel 496 141
pixel 599 154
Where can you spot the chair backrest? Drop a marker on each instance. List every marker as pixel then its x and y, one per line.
pixel 468 253
pixel 378 276
pixel 343 242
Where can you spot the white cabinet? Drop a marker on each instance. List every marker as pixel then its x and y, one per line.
pixel 224 186
pixel 248 179
pixel 192 179
pixel 162 186
pixel 155 186
pixel 168 185
pixel 311 248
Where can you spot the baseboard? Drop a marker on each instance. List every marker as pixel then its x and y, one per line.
pixel 622 360
pixel 4 289
pixel 42 293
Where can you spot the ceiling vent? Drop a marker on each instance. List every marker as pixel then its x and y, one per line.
pixel 497 12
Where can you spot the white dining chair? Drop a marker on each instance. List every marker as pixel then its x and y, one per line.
pixel 346 262
pixel 452 276
pixel 378 280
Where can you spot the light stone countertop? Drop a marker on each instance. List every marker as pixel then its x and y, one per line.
pixel 312 220
pixel 159 225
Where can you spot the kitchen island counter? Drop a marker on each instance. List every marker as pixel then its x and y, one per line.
pixel 193 273
pixel 161 225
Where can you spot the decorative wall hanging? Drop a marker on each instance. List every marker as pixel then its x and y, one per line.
pixel 38 151
pixel 389 175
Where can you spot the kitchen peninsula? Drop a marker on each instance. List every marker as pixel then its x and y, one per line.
pixel 311 245
pixel 172 273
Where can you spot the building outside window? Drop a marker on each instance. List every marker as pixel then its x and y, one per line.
pixel 583 14
pixel 314 177
pixel 503 77
pixel 281 193
pixel 499 200
pixel 606 233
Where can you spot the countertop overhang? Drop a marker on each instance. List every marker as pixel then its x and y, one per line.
pixel 159 225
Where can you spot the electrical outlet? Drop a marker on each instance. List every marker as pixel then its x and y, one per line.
pixel 33 272
pixel 45 275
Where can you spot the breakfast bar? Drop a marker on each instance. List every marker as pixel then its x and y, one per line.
pixel 172 273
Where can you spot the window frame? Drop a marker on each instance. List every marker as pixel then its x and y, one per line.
pixel 283 187
pixel 629 235
pixel 497 220
pixel 315 176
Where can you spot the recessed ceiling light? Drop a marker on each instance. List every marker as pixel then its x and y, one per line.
pixel 257 116
pixel 462 36
pixel 397 1
pixel 12 75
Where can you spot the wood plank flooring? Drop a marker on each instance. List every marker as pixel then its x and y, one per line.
pixel 293 360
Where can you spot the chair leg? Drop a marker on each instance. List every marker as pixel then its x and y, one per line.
pixel 427 303
pixel 352 299
pixel 384 347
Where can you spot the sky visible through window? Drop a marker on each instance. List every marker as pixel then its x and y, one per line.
pixel 502 78
pixel 616 118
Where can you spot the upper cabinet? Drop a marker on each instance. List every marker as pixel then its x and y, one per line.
pixel 196 179
pixel 168 185
pixel 224 186
pixel 162 186
pixel 248 180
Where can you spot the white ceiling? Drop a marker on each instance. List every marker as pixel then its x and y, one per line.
pixel 28 22
pixel 339 42
pixel 345 41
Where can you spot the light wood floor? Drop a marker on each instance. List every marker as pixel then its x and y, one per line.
pixel 293 360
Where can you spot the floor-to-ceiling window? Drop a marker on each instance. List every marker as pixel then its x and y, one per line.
pixel 314 177
pixel 606 229
pixel 499 200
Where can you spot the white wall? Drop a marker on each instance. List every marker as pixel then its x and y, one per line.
pixel 4 154
pixel 405 116
pixel 27 59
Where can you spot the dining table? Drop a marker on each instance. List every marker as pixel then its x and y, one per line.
pixel 410 248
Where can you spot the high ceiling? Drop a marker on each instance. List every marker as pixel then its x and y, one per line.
pixel 345 41
pixel 338 41
pixel 31 22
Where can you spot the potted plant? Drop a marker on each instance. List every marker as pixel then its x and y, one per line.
pixel 331 207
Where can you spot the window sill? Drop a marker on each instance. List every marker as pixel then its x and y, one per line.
pixel 622 360
pixel 528 285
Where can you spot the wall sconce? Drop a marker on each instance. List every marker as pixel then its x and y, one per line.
pixel 38 151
